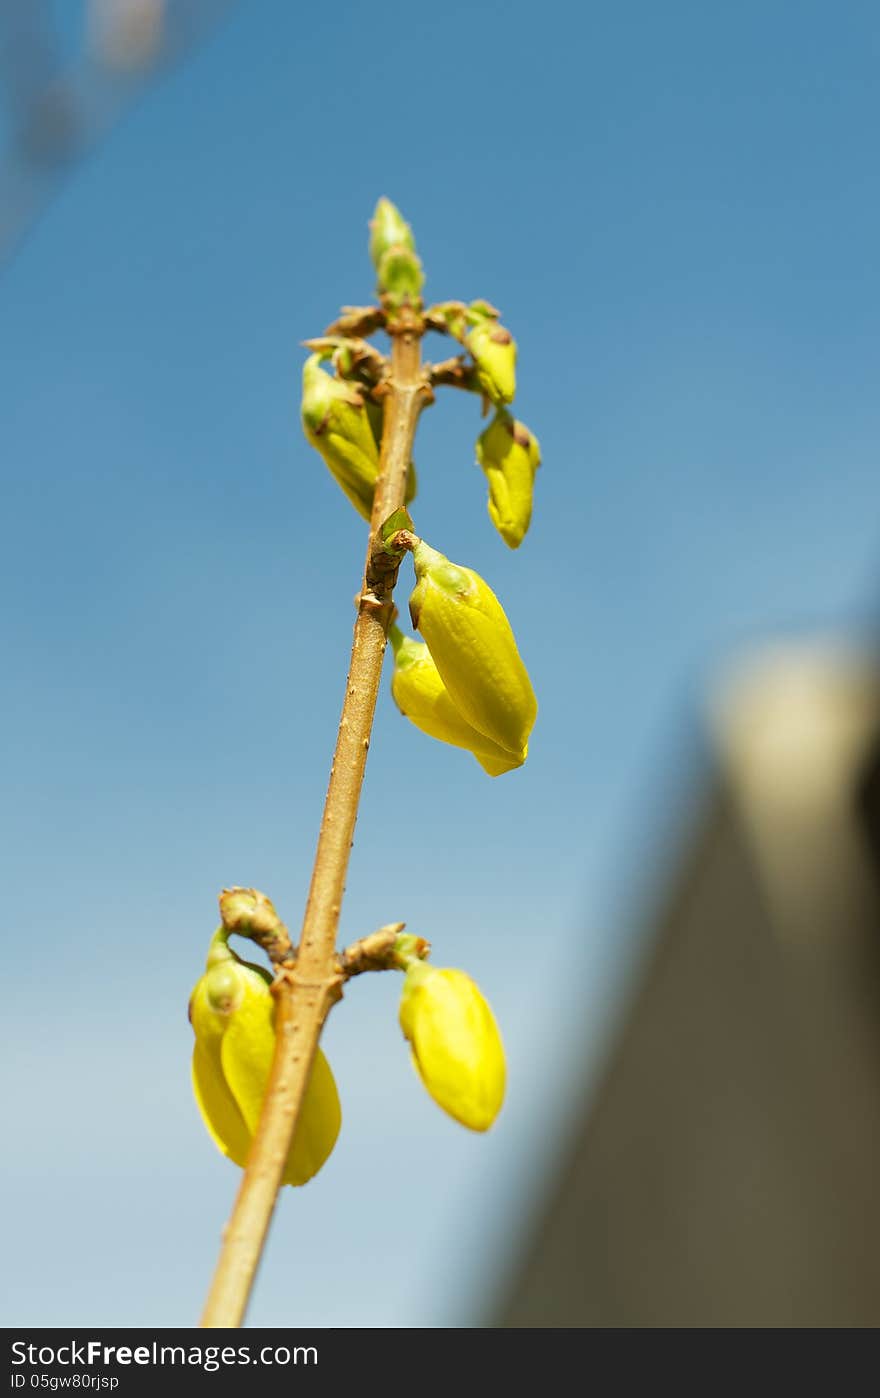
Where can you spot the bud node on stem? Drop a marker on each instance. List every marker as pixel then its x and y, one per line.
pixel 358 321
pixel 376 606
pixel 455 373
pixel 351 356
pixel 249 913
pixel 371 953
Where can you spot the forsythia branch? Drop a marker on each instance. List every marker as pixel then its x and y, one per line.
pixel 306 993
pixel 261 1081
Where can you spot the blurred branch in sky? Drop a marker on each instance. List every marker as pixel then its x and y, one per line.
pixel 64 85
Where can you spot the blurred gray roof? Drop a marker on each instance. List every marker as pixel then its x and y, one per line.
pixel 725 1171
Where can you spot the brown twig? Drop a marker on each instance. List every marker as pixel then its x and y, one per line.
pixel 357 320
pixel 307 991
pixel 374 952
pixel 251 914
pixel 440 317
pixel 364 360
pixel 454 373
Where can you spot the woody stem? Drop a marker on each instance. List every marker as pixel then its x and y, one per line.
pixel 307 989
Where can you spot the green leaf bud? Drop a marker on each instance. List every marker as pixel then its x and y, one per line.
pixel 401 277
pixel 393 250
pixel 399 520
pixel 247 912
pixel 474 649
pixel 388 229
pixel 510 455
pixel 456 1045
pixel 423 698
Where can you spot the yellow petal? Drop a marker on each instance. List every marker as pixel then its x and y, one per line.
pixel 494 352
pixel 421 695
pixel 474 649
pixel 318 1127
pixel 497 766
pixel 336 423
pixel 232 1014
pixel 509 455
pixel 218 1106
pixel 246 1054
pixel 351 465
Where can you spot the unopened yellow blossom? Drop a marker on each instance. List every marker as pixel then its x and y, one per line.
pixel 421 695
pixel 494 352
pixel 455 1041
pixel 335 421
pixel 233 1017
pixel 474 649
pixel 509 454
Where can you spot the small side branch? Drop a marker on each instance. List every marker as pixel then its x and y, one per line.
pixel 454 373
pixel 249 913
pixel 352 356
pixel 384 950
pixel 358 321
pixel 454 317
pixel 442 317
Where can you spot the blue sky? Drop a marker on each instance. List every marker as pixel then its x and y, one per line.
pixel 677 209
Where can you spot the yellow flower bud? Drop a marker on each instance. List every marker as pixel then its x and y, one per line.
pixel 509 454
pixel 423 698
pixel 474 649
pixel 335 421
pixel 233 1018
pixel 494 352
pixel 456 1045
